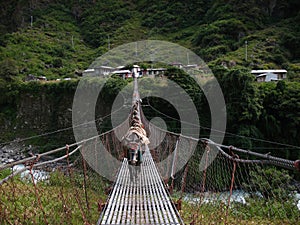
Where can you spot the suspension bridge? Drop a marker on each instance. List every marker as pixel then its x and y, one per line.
pixel 217 185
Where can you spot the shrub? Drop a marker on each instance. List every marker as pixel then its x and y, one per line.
pixel 272 183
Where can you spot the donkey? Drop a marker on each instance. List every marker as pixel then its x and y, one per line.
pixel 133 152
pixel 134 141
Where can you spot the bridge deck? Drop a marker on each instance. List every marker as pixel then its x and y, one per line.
pixel 142 201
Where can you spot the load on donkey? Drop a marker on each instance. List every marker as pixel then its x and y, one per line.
pixel 134 142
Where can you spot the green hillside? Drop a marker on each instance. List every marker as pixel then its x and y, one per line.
pixel 61 38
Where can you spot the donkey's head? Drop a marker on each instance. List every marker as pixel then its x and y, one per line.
pixel 132 143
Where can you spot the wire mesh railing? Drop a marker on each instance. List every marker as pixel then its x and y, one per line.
pixel 210 183
pixel 59 186
pixel 226 185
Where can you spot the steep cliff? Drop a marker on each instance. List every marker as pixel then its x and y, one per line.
pixel 44 110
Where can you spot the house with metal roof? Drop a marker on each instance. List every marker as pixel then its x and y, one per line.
pixel 269 75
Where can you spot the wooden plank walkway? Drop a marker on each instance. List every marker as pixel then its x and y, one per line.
pixel 142 201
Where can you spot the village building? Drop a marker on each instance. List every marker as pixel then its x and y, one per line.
pixel 156 71
pixel 269 75
pixel 89 72
pixel 136 71
pixel 123 73
pixel 190 66
pixel 104 70
pixel 177 64
pixel 99 71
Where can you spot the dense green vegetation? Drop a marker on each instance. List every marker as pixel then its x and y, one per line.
pixel 35 107
pixel 260 110
pixel 256 112
pixel 257 211
pixel 61 38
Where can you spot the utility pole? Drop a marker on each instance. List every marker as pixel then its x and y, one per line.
pixel 31 21
pixel 136 49
pixel 108 42
pixel 72 41
pixel 246 51
pixel 188 58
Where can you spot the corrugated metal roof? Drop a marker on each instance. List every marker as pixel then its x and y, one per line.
pixel 121 71
pixel 267 71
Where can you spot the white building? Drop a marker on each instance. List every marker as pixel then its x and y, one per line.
pixel 191 66
pixel 104 70
pixel 89 72
pixel 123 73
pixel 177 64
pixel 99 71
pixel 269 75
pixel 136 71
pixel 156 71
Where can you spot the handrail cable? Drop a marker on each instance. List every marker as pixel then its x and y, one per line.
pixel 223 132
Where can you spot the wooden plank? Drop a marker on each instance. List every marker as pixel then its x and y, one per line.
pixel 133 205
pixel 124 213
pixel 166 210
pixel 145 201
pixel 167 202
pixel 110 202
pixel 117 201
pixel 152 195
pixel 144 194
pixel 165 198
pixel 154 181
pixel 107 209
pixel 155 212
pixel 139 215
pixel 161 203
pixel 153 191
pixel 117 189
pixel 123 195
pixel 129 199
pixel 141 199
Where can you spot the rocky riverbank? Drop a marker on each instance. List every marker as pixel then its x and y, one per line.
pixel 13 152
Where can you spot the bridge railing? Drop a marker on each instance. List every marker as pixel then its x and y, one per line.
pixel 210 183
pixel 59 186
pixel 50 190
pixel 225 184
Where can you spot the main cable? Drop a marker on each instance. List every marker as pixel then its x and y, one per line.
pixel 223 132
pixel 60 130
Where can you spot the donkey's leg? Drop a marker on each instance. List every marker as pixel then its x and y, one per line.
pixel 131 173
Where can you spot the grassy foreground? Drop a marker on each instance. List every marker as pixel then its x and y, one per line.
pixel 62 199
pixel 59 200
pixel 256 212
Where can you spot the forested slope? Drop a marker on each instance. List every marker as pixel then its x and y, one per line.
pixel 61 38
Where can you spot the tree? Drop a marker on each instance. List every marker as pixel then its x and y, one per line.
pixel 280 119
pixel 241 96
pixel 8 69
pixel 270 183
